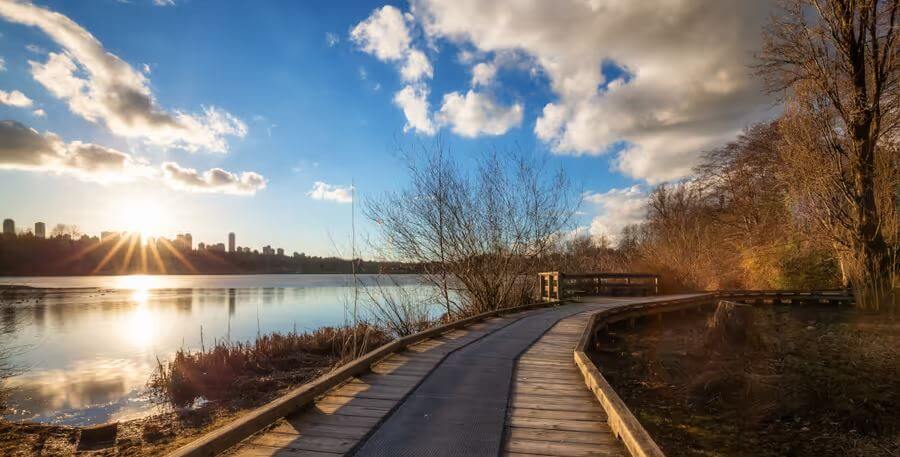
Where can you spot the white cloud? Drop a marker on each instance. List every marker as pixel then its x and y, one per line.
pixel 164 2
pixel 2 64
pixel 332 39
pixel 617 209
pixel 685 91
pixel 483 74
pixel 103 88
pixel 15 98
pixel 383 34
pixel 414 103
pixel 23 148
pixel 215 180
pixel 328 192
pixel 416 67
pixel 39 113
pixel 475 114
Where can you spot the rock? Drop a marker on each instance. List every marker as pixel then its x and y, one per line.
pixel 98 436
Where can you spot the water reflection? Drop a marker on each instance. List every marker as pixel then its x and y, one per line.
pixel 88 352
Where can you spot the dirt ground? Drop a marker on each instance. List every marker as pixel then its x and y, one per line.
pixel 809 381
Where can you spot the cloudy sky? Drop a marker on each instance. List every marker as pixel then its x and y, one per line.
pixel 256 117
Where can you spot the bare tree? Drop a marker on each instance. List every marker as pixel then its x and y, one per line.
pixel 480 233
pixel 837 63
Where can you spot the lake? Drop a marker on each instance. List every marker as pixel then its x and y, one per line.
pixel 84 347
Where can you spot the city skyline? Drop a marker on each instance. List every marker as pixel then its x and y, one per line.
pixel 38 229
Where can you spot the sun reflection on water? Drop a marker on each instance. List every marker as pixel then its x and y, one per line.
pixel 141 325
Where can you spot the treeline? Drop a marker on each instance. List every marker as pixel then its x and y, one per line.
pixel 733 226
pixel 27 255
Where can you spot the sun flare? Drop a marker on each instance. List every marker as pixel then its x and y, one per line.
pixel 143 216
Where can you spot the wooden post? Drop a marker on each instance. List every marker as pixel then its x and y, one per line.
pixel 559 285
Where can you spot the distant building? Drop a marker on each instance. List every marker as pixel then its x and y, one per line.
pixel 184 242
pixel 9 227
pixel 201 246
pixel 267 250
pixel 280 251
pixel 231 242
pixel 218 247
pixel 40 230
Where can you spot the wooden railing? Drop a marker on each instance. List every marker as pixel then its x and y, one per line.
pixel 555 285
pixel 777 297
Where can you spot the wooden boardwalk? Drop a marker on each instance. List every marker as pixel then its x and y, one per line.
pixel 550 411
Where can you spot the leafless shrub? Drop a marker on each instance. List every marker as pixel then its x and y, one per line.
pixel 400 310
pixel 481 234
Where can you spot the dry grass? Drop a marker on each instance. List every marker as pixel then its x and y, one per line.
pixel 221 371
pixel 817 381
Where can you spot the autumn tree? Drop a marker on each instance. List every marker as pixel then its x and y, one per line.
pixel 836 64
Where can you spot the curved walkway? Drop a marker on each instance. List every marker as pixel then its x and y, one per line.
pixel 507 385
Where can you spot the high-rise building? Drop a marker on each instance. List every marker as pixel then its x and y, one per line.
pixel 184 242
pixel 9 227
pixel 231 242
pixel 40 230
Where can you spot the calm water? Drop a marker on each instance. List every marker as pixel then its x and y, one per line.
pixel 85 348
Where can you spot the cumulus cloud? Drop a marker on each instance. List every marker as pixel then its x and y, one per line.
pixel 616 209
pixel 383 34
pixel 14 98
pixel 39 112
pixel 215 180
pixel 483 74
pixel 685 92
pixel 416 67
pixel 102 88
pixel 475 114
pixel 328 192
pixel 413 100
pixel 23 148
pixel 386 35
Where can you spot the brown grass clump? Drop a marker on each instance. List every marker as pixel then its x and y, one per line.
pixel 222 371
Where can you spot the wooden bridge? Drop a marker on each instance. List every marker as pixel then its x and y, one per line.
pixel 514 382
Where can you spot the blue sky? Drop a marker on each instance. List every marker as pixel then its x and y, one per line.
pixel 305 92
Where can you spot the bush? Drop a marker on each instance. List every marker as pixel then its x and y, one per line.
pixel 215 373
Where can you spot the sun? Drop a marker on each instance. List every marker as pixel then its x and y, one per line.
pixel 142 215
